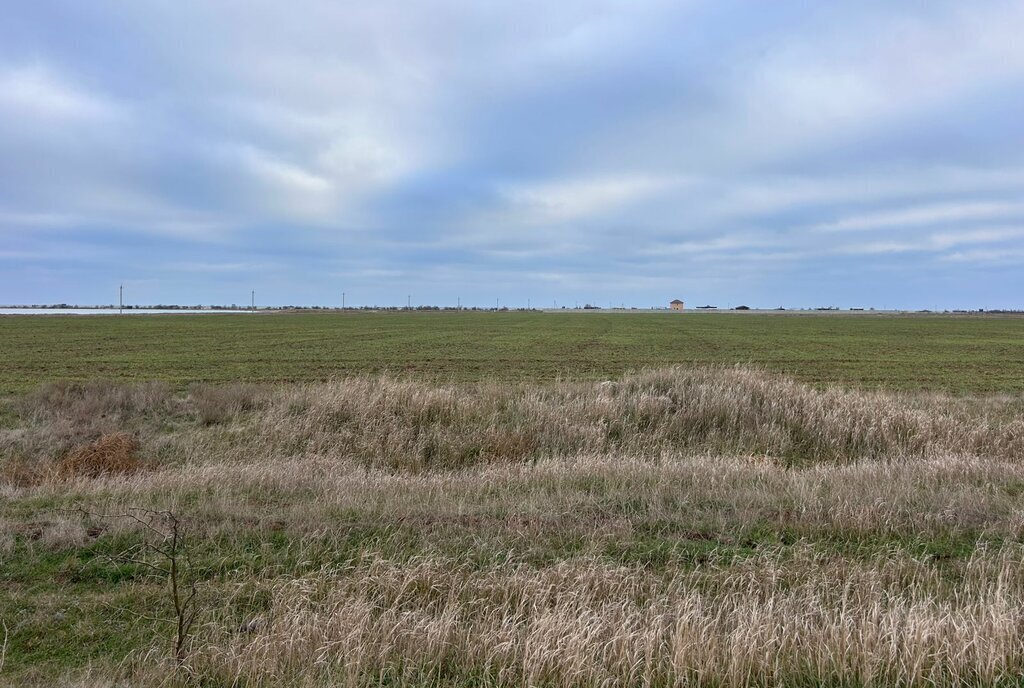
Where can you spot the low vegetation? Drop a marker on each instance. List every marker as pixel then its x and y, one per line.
pixel 977 353
pixel 698 526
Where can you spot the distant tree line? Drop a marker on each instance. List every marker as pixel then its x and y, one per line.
pixel 586 307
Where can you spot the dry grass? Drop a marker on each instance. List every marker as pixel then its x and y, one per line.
pixel 777 619
pixel 406 425
pixel 412 426
pixel 597 502
pixel 94 403
pixel 217 404
pixel 60 419
pixel 709 527
pixel 113 454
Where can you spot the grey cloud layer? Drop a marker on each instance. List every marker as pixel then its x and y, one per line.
pixel 618 151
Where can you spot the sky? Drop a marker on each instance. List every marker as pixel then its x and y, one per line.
pixel 849 154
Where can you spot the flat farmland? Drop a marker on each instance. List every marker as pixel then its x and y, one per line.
pixel 955 353
pixel 526 499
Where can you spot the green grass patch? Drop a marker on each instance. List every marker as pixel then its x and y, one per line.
pixel 947 352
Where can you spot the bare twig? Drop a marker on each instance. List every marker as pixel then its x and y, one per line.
pixel 3 648
pixel 169 545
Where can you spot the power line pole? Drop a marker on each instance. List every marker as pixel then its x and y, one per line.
pixel 252 300
pixel 342 300
pixel 408 301
pixel 458 302
pixel 120 300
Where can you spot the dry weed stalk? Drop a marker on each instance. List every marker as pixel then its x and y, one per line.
pixel 3 648
pixel 170 549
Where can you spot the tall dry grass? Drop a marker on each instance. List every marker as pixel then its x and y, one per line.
pixel 408 425
pixel 599 504
pixel 59 418
pixel 412 426
pixel 783 618
pixel 680 527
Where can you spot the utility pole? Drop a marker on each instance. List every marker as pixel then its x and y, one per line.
pixel 252 300
pixel 496 304
pixel 458 301
pixel 527 304
pixel 120 300
pixel 408 301
pixel 342 300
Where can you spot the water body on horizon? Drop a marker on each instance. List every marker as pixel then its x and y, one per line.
pixel 112 311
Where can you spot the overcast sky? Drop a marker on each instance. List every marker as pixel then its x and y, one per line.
pixel 768 153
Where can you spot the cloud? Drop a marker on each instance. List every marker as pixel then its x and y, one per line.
pixel 936 241
pixel 1002 256
pixel 38 92
pixel 23 220
pixel 835 81
pixel 940 213
pixel 281 185
pixel 574 199
pixel 985 235
pixel 219 267
pixel 606 149
pixel 730 243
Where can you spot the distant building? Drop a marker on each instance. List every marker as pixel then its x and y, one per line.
pixel 677 305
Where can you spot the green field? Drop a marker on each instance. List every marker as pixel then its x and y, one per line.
pixel 690 525
pixel 955 353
